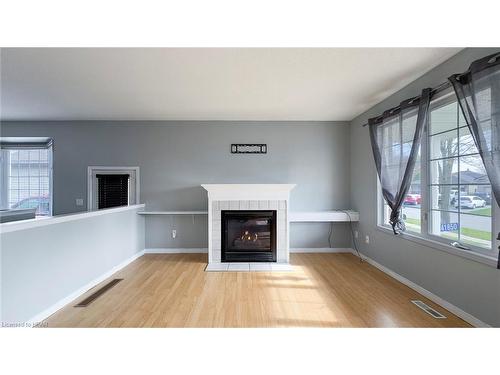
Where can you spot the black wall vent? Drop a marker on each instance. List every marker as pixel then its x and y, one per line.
pixel 99 292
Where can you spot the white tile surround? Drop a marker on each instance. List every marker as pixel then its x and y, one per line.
pixel 248 197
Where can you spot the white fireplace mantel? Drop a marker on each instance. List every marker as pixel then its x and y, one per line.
pixel 247 197
pixel 248 191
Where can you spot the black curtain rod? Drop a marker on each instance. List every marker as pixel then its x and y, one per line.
pixel 435 90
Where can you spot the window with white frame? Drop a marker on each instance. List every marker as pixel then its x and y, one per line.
pixel 112 187
pixel 26 176
pixel 450 199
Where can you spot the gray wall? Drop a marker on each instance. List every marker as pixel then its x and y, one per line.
pixel 41 266
pixel 473 287
pixel 175 158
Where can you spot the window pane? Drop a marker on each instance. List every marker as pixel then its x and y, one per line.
pixel 482 198
pixel 476 199
pixel 472 170
pixel 44 154
pixel 28 180
pixel 44 170
pixel 444 171
pixel 444 145
pixel 14 156
pixel 23 194
pixel 443 118
pixel 445 224
pixel 23 155
pixel 467 144
pixel 14 196
pixel 34 155
pixel 22 169
pixel 413 200
pixel 411 216
pixel 460 194
pixel 23 182
pixel 13 183
pixel 475 230
pixel 44 183
pixel 439 194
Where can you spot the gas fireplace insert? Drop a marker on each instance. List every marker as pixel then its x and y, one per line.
pixel 248 236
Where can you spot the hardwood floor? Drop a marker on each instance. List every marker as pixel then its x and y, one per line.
pixel 325 290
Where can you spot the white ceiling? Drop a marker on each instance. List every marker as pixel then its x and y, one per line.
pixel 205 83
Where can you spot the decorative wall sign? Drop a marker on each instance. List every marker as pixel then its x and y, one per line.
pixel 237 148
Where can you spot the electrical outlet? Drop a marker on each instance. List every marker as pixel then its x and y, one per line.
pixel 174 233
pixel 79 201
pixel 367 239
pixel 356 234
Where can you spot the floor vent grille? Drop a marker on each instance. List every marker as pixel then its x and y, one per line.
pixel 87 301
pixel 429 310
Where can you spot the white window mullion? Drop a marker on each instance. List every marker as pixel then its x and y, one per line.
pixel 424 181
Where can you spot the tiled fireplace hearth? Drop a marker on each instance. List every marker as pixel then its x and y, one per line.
pixel 241 199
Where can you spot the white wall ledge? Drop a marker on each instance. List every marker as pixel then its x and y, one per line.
pixel 40 222
pixel 324 216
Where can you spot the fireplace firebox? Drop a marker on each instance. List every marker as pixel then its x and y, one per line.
pixel 248 236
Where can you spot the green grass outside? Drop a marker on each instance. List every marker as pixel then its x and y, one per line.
pixel 412 221
pixel 475 233
pixel 479 211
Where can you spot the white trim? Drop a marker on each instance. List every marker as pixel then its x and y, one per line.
pixel 434 298
pixel 77 293
pixel 249 267
pixel 236 192
pixel 169 250
pixel 321 250
pixel 42 221
pixel 204 250
pixel 90 182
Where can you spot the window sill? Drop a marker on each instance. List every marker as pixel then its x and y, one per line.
pixel 470 255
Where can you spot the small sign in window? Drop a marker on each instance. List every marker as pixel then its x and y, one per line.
pixel 449 227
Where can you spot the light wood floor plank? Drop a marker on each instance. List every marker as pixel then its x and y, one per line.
pixel 324 290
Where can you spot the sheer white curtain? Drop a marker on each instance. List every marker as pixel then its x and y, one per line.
pixel 395 138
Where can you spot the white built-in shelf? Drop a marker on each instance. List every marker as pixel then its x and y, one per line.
pixel 324 216
pixel 303 217
pixel 173 212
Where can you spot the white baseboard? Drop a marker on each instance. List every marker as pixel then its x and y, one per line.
pixel 320 250
pixel 77 293
pixel 434 298
pixel 168 250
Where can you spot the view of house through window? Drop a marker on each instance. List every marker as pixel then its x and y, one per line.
pixel 460 191
pixel 451 189
pixel 26 179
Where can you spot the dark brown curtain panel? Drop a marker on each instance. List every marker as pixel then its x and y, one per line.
pixel 395 138
pixel 478 93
